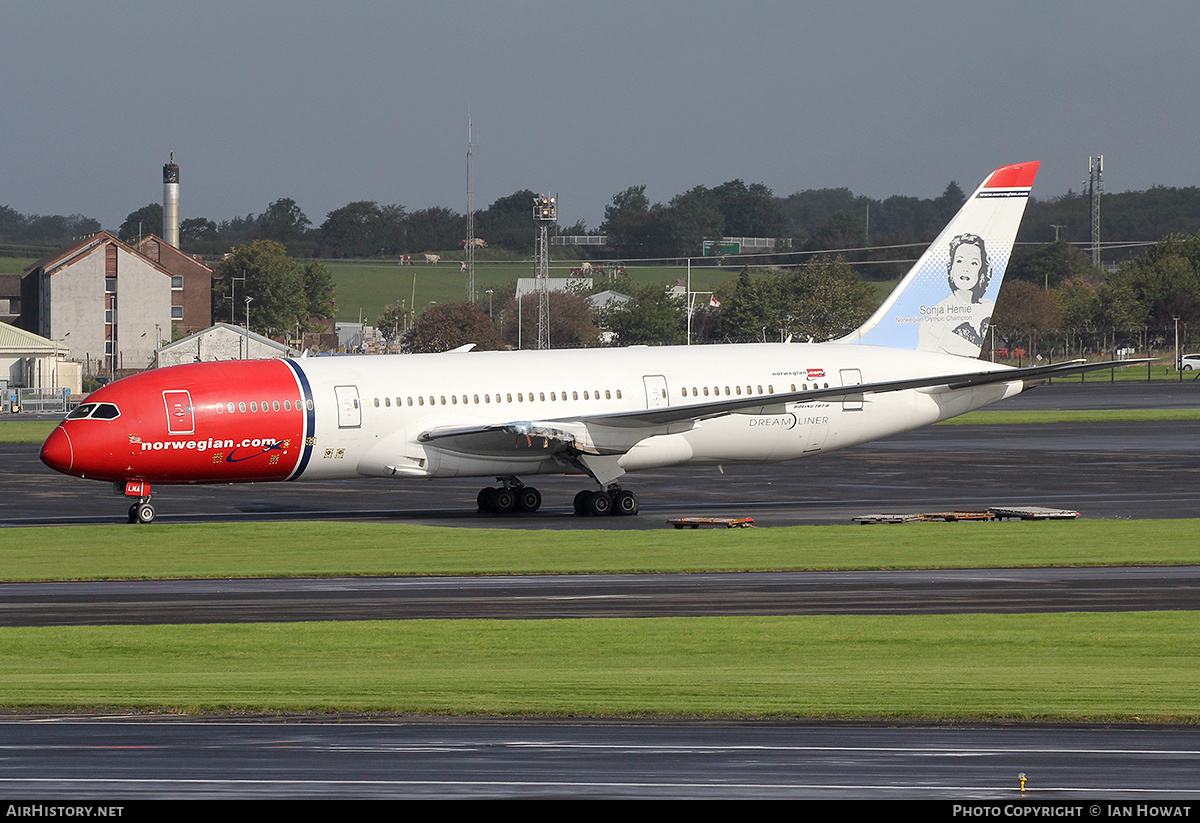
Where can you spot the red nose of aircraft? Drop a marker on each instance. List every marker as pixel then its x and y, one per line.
pixel 56 451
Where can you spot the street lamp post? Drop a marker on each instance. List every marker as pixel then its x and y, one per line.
pixel 249 299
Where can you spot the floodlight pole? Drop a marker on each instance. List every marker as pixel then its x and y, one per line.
pixel 469 246
pixel 545 212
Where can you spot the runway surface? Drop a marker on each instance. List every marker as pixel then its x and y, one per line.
pixel 539 597
pixel 1106 471
pixel 116 759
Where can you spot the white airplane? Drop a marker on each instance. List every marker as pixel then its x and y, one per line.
pixel 597 412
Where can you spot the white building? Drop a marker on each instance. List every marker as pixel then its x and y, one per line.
pixel 528 285
pixel 108 303
pixel 221 342
pixel 30 361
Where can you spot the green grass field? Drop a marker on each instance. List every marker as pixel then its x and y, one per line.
pixel 1130 667
pixel 369 287
pixel 15 265
pixel 120 551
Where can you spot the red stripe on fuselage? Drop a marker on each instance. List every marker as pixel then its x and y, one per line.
pixel 159 438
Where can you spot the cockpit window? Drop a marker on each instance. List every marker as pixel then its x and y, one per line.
pixel 96 411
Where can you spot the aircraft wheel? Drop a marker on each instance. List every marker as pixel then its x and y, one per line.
pixel 581 502
pixel 145 513
pixel 504 501
pixel 625 502
pixel 600 504
pixel 133 513
pixel 529 499
pixel 485 497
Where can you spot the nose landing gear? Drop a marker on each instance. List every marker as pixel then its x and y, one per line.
pixel 142 511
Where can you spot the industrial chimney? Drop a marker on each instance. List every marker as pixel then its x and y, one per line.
pixel 171 202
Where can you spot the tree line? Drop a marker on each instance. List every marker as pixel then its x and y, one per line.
pixel 810 220
pixel 1054 300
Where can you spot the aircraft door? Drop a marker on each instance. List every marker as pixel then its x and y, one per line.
pixel 852 402
pixel 656 391
pixel 180 419
pixel 349 409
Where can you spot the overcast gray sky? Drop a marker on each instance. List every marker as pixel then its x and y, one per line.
pixel 328 103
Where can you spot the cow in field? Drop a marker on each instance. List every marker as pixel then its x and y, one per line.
pixel 406 260
pixel 462 267
pixel 433 258
pixel 475 242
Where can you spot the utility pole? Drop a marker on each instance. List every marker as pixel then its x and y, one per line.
pixel 470 245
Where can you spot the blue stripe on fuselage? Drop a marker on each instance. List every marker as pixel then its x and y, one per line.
pixel 310 419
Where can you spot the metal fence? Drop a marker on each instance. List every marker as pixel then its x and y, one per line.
pixel 579 240
pixel 37 401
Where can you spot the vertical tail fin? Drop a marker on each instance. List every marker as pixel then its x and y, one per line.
pixel 945 302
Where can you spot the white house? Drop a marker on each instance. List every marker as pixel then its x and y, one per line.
pixel 221 342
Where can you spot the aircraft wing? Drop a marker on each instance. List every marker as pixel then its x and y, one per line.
pixel 617 432
pixel 702 411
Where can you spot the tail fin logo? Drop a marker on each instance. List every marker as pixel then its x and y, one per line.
pixel 945 303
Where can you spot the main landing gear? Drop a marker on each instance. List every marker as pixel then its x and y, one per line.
pixel 613 500
pixel 513 496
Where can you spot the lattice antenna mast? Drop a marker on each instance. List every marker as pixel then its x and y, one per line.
pixel 1096 188
pixel 545 212
pixel 470 244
